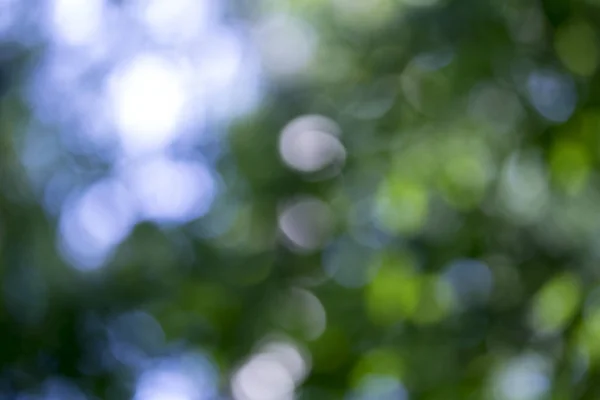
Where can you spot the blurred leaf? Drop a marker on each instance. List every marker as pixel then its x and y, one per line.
pixel 556 303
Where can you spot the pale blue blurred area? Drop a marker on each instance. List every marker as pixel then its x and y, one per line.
pixel 552 94
pixel 130 102
pixel 129 105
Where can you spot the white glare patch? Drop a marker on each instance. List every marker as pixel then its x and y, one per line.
pixel 293 358
pixel 553 95
pixel 287 45
pixel 263 378
pixel 94 223
pixel 271 374
pixel 190 377
pixel 174 21
pixel 523 378
pixel 76 22
pixel 171 191
pixel 306 223
pixel 148 98
pixel 310 144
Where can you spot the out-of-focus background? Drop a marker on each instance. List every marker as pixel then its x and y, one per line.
pixel 299 199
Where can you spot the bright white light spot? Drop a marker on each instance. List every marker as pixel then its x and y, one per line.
pixel 287 45
pixel 148 98
pixel 310 151
pixel 271 374
pixel 174 21
pixel 94 223
pixel 523 378
pixel 171 191
pixel 76 22
pixel 167 386
pixel 290 356
pixel 310 144
pixel 263 378
pixel 307 223
pixel 188 378
pixel 553 95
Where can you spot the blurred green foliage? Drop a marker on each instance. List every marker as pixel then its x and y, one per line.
pixel 471 133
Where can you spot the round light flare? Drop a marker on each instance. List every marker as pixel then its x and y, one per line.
pixel 306 223
pixel 287 45
pixel 186 378
pixel 290 356
pixel 310 143
pixel 271 374
pixel 96 221
pixel 148 99
pixel 171 191
pixel 76 22
pixel 263 378
pixel 166 386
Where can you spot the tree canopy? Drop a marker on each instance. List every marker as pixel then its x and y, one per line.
pixel 312 199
